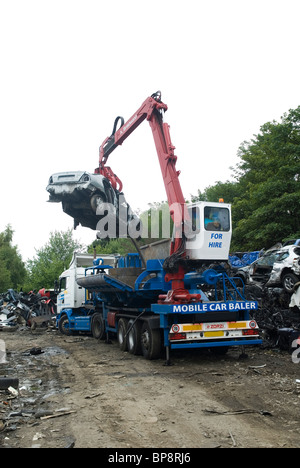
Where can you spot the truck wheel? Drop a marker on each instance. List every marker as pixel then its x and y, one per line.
pixel 122 338
pixel 98 327
pixel 150 342
pixel 288 281
pixel 64 326
pixel 134 337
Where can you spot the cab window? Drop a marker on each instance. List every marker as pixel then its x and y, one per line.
pixel 216 219
pixel 63 284
pixel 195 215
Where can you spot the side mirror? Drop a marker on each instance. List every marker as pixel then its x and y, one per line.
pixel 56 286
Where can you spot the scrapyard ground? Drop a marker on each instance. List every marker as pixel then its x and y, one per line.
pixel 84 393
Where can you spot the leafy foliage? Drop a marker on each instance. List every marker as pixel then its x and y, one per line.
pixel 12 268
pixel 52 259
pixel 269 190
pixel 265 193
pixel 156 222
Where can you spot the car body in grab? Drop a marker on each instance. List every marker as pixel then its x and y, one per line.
pixel 90 198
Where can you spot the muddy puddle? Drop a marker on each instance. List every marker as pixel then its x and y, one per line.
pixel 36 371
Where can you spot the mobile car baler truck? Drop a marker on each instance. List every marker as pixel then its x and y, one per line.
pixel 176 300
pixel 116 296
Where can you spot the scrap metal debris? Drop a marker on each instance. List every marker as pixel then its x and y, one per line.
pixel 276 316
pixel 234 412
pixel 295 299
pixel 28 309
pixel 25 398
pixel 7 382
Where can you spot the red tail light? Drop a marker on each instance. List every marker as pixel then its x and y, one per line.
pixel 250 332
pixel 177 336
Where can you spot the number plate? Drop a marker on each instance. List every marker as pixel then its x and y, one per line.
pixel 210 334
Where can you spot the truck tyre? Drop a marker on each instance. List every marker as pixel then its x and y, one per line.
pixel 98 327
pixel 122 330
pixel 63 325
pixel 150 342
pixel 6 382
pixel 288 281
pixel 134 337
pixel 96 201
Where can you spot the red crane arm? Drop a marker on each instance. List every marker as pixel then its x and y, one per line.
pixel 152 109
pixel 118 136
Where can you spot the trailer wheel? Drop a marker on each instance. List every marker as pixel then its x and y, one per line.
pixel 150 342
pixel 134 337
pixel 64 326
pixel 98 327
pixel 122 338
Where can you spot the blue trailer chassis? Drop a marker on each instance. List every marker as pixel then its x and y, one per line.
pixel 222 322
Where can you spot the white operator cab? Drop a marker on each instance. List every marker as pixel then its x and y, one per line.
pixel 211 231
pixel 71 295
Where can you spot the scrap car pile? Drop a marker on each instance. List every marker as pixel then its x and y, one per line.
pixel 272 278
pixel 277 267
pixel 278 315
pixel 27 309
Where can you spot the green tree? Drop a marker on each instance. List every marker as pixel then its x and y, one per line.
pixel 227 191
pixel 111 246
pixel 12 267
pixel 52 259
pixel 265 192
pixel 156 222
pixel 267 208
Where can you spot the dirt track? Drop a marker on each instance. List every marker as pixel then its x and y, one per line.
pixel 116 400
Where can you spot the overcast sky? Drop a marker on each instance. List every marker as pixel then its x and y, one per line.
pixel 69 67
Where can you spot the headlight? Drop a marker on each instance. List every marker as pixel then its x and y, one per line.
pixel 84 178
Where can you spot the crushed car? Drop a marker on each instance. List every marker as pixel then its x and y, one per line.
pixel 279 267
pixel 286 268
pixel 88 198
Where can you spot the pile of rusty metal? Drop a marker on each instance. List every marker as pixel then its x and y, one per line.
pixel 30 309
pixel 277 316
